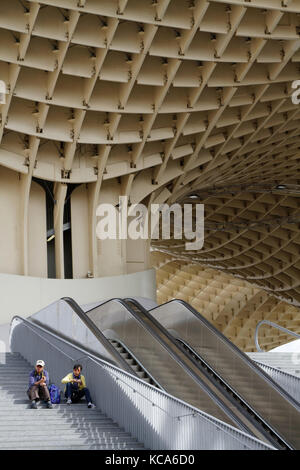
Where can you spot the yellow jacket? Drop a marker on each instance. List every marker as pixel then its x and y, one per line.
pixel 68 378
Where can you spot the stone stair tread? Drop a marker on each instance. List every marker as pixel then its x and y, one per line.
pixel 64 427
pixel 284 361
pixel 70 447
pixel 59 426
pixel 70 437
pixel 91 431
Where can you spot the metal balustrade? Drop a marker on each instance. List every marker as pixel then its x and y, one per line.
pixel 288 382
pixel 154 417
pixel 274 325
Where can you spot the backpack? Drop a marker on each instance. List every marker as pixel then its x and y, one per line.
pixel 54 394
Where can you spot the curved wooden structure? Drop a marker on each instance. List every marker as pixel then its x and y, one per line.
pixel 156 100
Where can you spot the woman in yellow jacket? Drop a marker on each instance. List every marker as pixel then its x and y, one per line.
pixel 76 387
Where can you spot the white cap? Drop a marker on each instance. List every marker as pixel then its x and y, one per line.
pixel 40 363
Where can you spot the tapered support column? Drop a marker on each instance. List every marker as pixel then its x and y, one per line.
pixel 60 192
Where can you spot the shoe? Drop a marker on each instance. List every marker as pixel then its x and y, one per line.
pixel 69 401
pixel 49 404
pixel 33 405
pixel 91 405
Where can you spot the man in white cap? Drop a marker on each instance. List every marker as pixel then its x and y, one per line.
pixel 38 385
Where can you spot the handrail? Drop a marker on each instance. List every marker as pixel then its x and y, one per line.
pixel 98 334
pixel 262 429
pixel 231 345
pixel 215 373
pixel 115 371
pixel 44 328
pixel 107 344
pixel 161 338
pixel 274 325
pixel 242 356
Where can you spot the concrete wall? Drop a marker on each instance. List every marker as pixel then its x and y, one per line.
pixel 11 226
pixel 23 235
pixel 20 295
pixel 112 257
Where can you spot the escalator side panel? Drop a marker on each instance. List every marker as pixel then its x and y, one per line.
pixel 238 372
pixel 115 319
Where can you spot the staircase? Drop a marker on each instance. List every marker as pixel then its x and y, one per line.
pixel 285 361
pixel 65 427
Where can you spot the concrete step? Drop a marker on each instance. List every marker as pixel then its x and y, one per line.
pixel 23 399
pixel 12 382
pixel 50 420
pixel 76 444
pixel 14 362
pixel 70 446
pixel 15 376
pixel 33 431
pixel 45 413
pixel 43 410
pixel 286 362
pixel 16 385
pixel 62 427
pixel 83 437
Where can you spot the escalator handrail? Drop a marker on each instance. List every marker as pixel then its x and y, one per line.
pixel 228 385
pixel 172 339
pixel 95 331
pixel 80 348
pixel 83 315
pixel 236 350
pixel 124 303
pixel 274 325
pixel 215 372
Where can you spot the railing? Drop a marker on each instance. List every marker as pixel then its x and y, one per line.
pixel 67 317
pixel 288 382
pixel 252 383
pixel 274 325
pixel 155 418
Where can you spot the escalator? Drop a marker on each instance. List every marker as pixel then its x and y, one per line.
pixel 119 337
pixel 174 368
pixel 122 322
pixel 129 412
pixel 251 388
pixel 140 342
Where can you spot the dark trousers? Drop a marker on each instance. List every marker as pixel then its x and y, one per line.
pixel 38 392
pixel 76 395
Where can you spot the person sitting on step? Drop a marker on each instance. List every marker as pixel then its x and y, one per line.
pixel 76 387
pixel 38 385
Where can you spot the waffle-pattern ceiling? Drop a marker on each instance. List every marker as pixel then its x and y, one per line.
pixel 252 235
pixel 166 98
pixel 232 305
pixel 196 91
